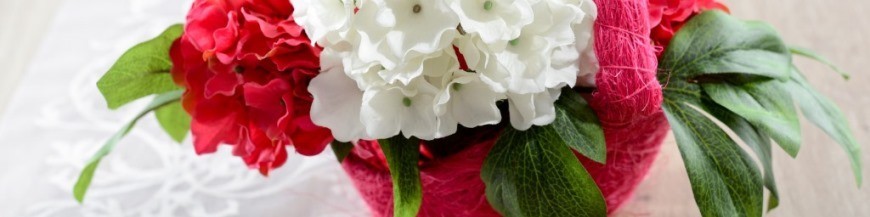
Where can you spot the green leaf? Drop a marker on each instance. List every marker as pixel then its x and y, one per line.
pixel 714 42
pixel 578 126
pixel 773 200
pixel 87 174
pixel 534 173
pixel 819 58
pixel 764 104
pixel 402 156
pixel 725 180
pixel 174 120
pixel 741 73
pixel 819 110
pixel 341 150
pixel 755 139
pixel 141 71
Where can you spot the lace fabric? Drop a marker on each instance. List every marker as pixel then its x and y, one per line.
pixel 58 119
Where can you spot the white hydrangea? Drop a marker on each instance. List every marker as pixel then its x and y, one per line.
pixel 420 68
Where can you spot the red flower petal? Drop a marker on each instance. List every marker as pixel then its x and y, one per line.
pixel 668 16
pixel 223 83
pixel 246 65
pixel 265 105
pixel 309 139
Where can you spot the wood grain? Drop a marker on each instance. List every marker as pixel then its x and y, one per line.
pixel 819 182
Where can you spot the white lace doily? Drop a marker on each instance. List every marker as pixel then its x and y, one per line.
pixel 58 119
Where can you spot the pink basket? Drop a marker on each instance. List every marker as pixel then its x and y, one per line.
pixel 627 101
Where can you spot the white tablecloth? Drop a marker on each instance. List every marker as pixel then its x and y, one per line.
pixel 57 120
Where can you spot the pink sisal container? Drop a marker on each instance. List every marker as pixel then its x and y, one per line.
pixel 627 101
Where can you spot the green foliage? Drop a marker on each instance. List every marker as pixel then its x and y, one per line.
pixel 766 105
pixel 341 149
pixel 741 74
pixel 724 179
pixel 534 173
pixel 87 174
pixel 174 120
pixel 577 126
pixel 714 43
pixel 402 156
pixel 814 56
pixel 819 110
pixel 141 71
pixel 756 139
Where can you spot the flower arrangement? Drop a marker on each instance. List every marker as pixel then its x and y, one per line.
pixel 483 107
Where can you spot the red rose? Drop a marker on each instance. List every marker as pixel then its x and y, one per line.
pixel 246 66
pixel 668 16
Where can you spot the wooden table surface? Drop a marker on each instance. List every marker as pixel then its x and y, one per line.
pixel 818 183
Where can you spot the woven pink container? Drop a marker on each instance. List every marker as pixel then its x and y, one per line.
pixel 627 101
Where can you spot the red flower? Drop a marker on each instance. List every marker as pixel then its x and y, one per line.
pixel 668 16
pixel 246 66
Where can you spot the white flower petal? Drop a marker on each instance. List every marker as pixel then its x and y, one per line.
pixel 585 43
pixel 337 101
pixel 396 30
pixel 321 18
pixel 535 109
pixel 469 101
pixel 497 21
pixel 479 59
pixel 402 75
pixel 563 68
pixel 382 112
pixel 387 111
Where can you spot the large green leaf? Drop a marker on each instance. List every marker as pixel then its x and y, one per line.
pixel 741 74
pixel 714 42
pixel 141 71
pixel 725 180
pixel 717 58
pixel 174 120
pixel 402 156
pixel 819 110
pixel 534 173
pixel 578 126
pixel 757 140
pixel 764 104
pixel 87 174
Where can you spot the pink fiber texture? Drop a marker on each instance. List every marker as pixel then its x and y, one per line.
pixel 627 102
pixel 451 185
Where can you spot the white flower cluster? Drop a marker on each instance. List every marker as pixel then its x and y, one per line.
pixel 420 67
